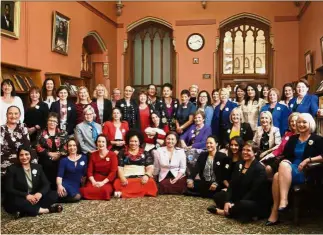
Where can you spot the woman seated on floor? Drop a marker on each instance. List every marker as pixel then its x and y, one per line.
pixel 27 190
pixel 170 166
pixel 156 133
pixel 248 195
pixel 135 169
pixel 267 136
pixel 102 170
pixel 87 131
pixel 211 167
pixel 51 146
pixel 71 171
pixel 301 149
pixel 272 160
pixel 194 139
pixel 235 155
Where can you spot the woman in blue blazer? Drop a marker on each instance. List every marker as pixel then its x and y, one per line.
pixel 66 111
pixel 279 111
pixel 221 115
pixel 304 102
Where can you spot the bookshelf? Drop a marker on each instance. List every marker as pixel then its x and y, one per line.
pixel 22 77
pixel 318 85
pixel 72 82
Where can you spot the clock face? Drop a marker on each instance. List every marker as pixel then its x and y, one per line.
pixel 195 42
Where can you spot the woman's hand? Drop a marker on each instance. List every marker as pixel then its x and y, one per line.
pixel 61 191
pixel 190 184
pixel 213 187
pixel 179 130
pixel 124 181
pixel 38 196
pixel 173 181
pixel 227 206
pixel 303 164
pixel 144 179
pixel 32 199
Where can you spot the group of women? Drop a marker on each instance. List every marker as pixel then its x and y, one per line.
pixel 212 147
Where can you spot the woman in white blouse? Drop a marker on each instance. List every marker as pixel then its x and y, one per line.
pixel 170 166
pixel 251 107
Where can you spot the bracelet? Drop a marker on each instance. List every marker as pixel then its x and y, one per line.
pixel 310 159
pixel 147 175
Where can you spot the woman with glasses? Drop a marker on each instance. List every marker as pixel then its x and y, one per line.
pixel 87 131
pixel 51 146
pixel 204 104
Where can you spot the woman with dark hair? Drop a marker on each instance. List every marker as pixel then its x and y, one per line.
pixel 220 120
pixel 170 166
pixel 51 146
pixel 279 111
pixel 265 92
pixel 49 92
pixel 185 113
pixel 101 172
pixel 300 150
pixel 248 192
pixel 13 135
pixel 100 97
pixel 236 128
pixel 167 107
pixel 83 101
pixel 135 169
pixel 287 94
pixel 27 191
pixel 66 111
pixel 144 112
pixel 156 133
pixel 235 155
pixel 129 108
pixel 36 114
pixel 304 102
pixel 252 106
pixel 87 131
pixel 71 171
pixel 115 131
pixel 215 98
pixel 9 98
pixel 240 94
pixel 204 104
pixel 212 170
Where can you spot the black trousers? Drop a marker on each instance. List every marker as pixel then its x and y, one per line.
pixel 243 210
pixel 50 168
pixel 201 189
pixel 13 204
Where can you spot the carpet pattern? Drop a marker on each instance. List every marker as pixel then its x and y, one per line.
pixel 163 214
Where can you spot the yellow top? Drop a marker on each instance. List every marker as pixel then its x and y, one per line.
pixel 234 133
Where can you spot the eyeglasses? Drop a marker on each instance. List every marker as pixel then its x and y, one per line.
pixel 203 96
pixel 87 114
pixel 53 121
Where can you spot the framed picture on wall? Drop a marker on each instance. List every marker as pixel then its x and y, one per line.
pixel 10 18
pixel 61 28
pixel 308 63
pixel 321 45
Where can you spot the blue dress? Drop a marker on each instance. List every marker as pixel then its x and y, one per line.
pixel 298 177
pixel 72 174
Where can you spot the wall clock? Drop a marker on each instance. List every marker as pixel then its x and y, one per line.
pixel 195 42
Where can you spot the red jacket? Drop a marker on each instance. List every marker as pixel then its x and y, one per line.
pixel 109 130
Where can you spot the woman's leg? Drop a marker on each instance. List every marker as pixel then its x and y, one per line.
pixel 269 172
pixel 276 197
pixel 285 180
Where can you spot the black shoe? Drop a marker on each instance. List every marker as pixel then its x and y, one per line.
pixel 283 209
pixel 212 209
pixel 18 215
pixel 269 223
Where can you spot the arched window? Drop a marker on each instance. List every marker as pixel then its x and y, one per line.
pixel 247 40
pixel 152 56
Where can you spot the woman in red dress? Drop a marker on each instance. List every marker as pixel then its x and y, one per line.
pixel 144 112
pixel 101 172
pixel 135 169
pixel 115 131
pixel 155 134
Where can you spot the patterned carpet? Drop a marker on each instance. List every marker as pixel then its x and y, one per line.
pixel 162 215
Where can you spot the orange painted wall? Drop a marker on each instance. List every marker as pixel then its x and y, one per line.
pixel 310 32
pixel 286 50
pixel 33 49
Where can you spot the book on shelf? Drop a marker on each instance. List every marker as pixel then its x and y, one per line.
pixel 18 82
pixel 22 82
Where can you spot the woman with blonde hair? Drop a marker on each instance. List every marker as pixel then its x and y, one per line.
pixel 100 97
pixel 83 100
pixel 267 136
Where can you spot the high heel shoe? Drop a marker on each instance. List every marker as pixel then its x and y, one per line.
pixel 212 209
pixel 283 209
pixel 269 223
